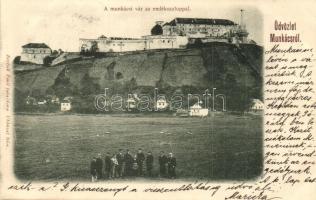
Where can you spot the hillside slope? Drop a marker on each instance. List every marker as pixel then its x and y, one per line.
pixel 233 71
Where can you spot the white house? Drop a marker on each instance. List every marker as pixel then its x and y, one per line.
pixel 65 106
pixel 131 104
pixel 256 105
pixel 35 53
pixel 55 99
pixel 30 101
pixel 68 98
pixel 161 104
pixel 197 110
pixel 42 102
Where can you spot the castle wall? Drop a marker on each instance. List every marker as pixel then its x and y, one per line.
pixel 113 45
pixel 123 45
pixel 165 42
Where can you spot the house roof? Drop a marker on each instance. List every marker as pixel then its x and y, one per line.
pixel 196 106
pixel 161 100
pixel 68 98
pixel 35 45
pixel 256 101
pixel 203 21
pixel 131 100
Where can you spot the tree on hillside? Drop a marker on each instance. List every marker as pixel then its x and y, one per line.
pixel 237 95
pixel 17 60
pixel 60 51
pixel 88 86
pixel 62 85
pixel 55 53
pixel 198 42
pixel 48 60
pixel 156 30
pixel 130 86
pixel 50 91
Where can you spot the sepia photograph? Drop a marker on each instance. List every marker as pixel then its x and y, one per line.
pixel 100 96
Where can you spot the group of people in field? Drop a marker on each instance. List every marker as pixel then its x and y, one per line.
pixel 124 164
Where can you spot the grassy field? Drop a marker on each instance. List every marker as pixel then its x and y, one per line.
pixel 219 147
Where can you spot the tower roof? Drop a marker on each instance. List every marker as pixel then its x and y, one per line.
pixel 35 45
pixel 206 21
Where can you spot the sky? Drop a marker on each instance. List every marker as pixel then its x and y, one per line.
pixel 60 24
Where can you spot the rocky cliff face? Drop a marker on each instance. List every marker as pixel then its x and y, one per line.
pixel 234 71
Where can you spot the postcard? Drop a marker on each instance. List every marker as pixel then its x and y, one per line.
pixel 109 99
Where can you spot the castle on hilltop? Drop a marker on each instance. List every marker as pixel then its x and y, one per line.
pixel 172 35
pixel 176 34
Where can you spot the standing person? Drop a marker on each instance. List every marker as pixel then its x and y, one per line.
pixel 140 157
pixel 107 165
pixel 172 163
pixel 93 169
pixel 149 163
pixel 99 164
pixel 134 167
pixel 120 160
pixel 128 159
pixel 114 165
pixel 162 164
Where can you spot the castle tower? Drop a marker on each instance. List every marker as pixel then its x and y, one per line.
pixel 242 32
pixel 242 25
